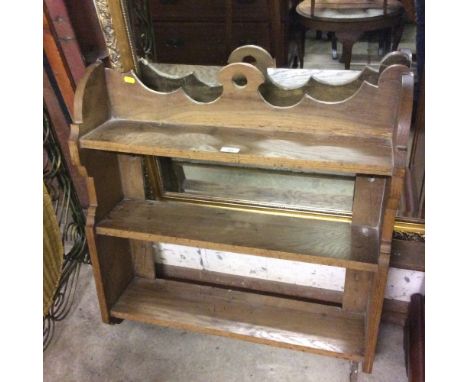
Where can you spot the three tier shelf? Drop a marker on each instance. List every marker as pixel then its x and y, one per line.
pixel 119 121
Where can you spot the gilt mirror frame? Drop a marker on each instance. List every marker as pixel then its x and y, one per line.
pixel 116 27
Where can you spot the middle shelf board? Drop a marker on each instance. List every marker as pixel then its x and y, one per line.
pixel 285 237
pixel 298 151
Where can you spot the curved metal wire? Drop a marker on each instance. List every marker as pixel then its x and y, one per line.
pixel 71 221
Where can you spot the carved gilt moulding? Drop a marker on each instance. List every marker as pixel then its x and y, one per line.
pixel 114 21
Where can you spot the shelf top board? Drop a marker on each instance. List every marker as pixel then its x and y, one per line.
pixel 299 151
pixel 268 320
pixel 224 229
pixel 116 112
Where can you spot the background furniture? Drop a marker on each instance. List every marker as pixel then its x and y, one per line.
pixel 349 21
pixel 415 339
pixel 118 120
pixel 205 32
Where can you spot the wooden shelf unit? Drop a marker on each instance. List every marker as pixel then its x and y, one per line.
pixel 118 120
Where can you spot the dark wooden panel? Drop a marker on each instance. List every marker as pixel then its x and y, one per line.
pixel 58 64
pixel 59 121
pixel 208 10
pixel 256 318
pixel 252 34
pixel 194 43
pixel 88 32
pixel 65 38
pixel 408 254
pixel 415 339
pixel 205 43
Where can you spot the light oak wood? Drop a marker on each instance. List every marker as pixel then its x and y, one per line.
pixel 283 87
pixel 110 257
pixel 248 284
pixel 356 290
pixel 131 174
pixel 368 207
pixel 394 311
pixel 143 259
pixel 308 240
pixel 263 319
pixel 365 135
pixel 281 150
pixel 270 136
pixel 393 190
pixel 369 199
pixel 370 112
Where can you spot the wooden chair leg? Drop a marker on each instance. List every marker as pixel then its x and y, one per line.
pixel 347 39
pixel 381 42
pixel 301 47
pixel 387 40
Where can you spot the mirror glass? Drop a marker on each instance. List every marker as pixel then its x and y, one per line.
pixel 288 190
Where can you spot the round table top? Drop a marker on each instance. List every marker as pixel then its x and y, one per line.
pixel 348 11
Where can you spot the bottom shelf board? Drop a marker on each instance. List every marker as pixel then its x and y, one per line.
pixel 276 321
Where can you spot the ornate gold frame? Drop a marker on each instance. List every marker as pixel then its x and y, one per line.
pixel 113 18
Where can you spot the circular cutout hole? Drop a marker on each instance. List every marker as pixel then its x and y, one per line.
pixel 239 80
pixel 249 60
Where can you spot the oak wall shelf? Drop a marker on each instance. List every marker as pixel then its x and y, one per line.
pixel 118 121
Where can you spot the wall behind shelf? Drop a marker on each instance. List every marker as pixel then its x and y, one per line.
pixel 401 283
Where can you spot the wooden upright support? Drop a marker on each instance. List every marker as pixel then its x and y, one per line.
pixel 131 174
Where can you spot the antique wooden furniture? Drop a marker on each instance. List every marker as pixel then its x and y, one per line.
pixel 118 120
pixel 349 20
pixel 415 339
pixel 205 32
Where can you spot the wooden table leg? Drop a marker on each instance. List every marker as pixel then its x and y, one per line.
pixel 347 39
pixel 397 32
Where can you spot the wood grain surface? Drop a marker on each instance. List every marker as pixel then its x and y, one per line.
pixel 280 150
pixel 263 319
pixel 309 240
pixel 365 134
pixel 369 112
